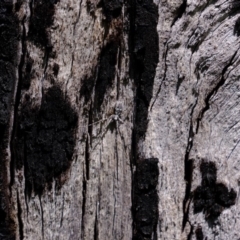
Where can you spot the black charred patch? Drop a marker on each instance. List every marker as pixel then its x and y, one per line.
pixel 7 225
pixel 9 41
pixel 234 8
pixel 145 207
pixel 42 12
pixel 144 57
pixel 106 72
pixel 45 140
pixel 9 30
pixel 211 197
pixel 86 88
pixel 7 81
pixel 18 5
pixel 55 69
pixel 27 73
pixel 112 8
pixel 199 233
pixel 237 27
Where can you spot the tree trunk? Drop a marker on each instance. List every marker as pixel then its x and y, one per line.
pixel 119 119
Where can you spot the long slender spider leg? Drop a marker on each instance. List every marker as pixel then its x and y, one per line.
pixel 111 118
pixel 120 120
pixel 102 135
pixel 97 121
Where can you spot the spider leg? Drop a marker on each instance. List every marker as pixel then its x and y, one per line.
pixel 97 122
pixel 120 120
pixel 104 132
pixel 111 118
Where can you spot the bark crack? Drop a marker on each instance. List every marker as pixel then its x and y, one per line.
pixel 16 105
pixel 233 149
pixel 78 17
pixel 189 236
pixel 63 199
pixel 84 190
pixel 114 207
pixel 19 216
pixel 188 165
pixel 181 10
pixel 71 71
pixel 95 237
pixel 42 215
pixel 215 89
pixel 164 76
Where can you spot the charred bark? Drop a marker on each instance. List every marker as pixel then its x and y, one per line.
pixel 119 119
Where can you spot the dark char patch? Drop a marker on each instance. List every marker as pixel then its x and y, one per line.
pixel 112 8
pixel 211 197
pixel 42 12
pixel 199 233
pixel 86 88
pixel 145 206
pixel 144 57
pixel 18 5
pixel 45 140
pixel 237 27
pixel 9 40
pixel 106 73
pixel 55 69
pixel 27 72
pixel 234 8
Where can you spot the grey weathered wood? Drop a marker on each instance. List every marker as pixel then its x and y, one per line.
pixel 193 117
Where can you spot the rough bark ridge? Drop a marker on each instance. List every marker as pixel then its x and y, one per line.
pixel 119 119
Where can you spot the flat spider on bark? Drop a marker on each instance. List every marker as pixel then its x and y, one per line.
pixel 114 118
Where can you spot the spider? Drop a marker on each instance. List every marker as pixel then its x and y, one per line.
pixel 116 117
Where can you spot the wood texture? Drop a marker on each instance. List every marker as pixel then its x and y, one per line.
pixel 119 119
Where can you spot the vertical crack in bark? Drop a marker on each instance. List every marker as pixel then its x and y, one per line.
pixel 215 89
pixel 188 170
pixel 86 169
pixel 46 60
pixel 42 215
pixel 181 10
pixel 17 102
pixel 164 77
pixel 119 65
pixel 188 178
pixel 115 179
pixel 63 203
pixel 95 237
pixel 114 210
pixel 19 216
pixel 87 161
pixel 78 17
pixel 189 237
pixel 84 192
